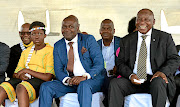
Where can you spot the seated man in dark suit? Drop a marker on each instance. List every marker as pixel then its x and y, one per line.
pixel 177 81
pixel 18 48
pixel 78 65
pixel 4 60
pixel 147 61
pixel 108 44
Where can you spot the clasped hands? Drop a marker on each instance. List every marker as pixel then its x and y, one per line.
pixel 157 74
pixel 21 74
pixel 75 80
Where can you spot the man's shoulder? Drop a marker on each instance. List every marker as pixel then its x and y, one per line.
pixel 3 45
pixel 59 42
pixel 117 38
pixel 99 41
pixel 85 37
pixel 130 36
pixel 15 46
pixel 161 32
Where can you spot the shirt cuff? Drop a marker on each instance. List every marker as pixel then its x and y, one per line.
pixel 64 80
pixel 88 75
pixel 131 75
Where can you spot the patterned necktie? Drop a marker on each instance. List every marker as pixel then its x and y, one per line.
pixel 70 64
pixel 141 67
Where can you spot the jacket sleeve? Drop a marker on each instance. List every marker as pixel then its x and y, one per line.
pixel 172 59
pixel 96 57
pixel 122 62
pixel 4 58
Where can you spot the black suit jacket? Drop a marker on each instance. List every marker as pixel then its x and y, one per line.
pixel 4 60
pixel 14 59
pixel 163 56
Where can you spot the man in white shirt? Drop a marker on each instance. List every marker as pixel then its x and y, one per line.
pixel 146 62
pixel 78 65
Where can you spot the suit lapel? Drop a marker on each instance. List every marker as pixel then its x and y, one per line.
pixel 116 44
pixel 153 46
pixel 63 52
pixel 80 45
pixel 133 48
pixel 100 44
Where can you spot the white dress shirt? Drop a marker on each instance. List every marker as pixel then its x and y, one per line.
pixel 78 69
pixel 148 42
pixel 108 55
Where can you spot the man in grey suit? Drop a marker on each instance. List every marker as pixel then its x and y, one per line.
pixel 147 55
pixel 4 60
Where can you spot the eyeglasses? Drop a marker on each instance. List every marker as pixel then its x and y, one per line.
pixel 23 33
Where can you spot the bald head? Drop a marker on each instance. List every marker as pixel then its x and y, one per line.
pixel 72 18
pixel 108 21
pixel 24 26
pixel 25 34
pixel 146 11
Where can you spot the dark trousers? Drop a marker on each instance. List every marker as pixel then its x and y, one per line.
pixel 105 88
pixel 121 87
pixel 177 81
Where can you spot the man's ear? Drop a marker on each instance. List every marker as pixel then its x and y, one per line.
pixel 153 21
pixel 45 35
pixel 114 32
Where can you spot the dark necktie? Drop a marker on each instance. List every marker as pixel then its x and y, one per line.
pixel 141 67
pixel 70 64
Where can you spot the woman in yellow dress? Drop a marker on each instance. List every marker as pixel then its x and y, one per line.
pixel 35 67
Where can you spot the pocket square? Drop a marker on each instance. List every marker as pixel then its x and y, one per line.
pixel 83 50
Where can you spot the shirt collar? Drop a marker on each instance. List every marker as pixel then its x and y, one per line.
pixel 75 39
pixel 148 33
pixel 110 43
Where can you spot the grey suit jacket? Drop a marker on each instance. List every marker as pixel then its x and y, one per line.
pixel 163 56
pixel 4 60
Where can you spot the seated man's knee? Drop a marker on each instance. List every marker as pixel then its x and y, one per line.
pixel 158 82
pixel 113 82
pixel 120 82
pixel 44 87
pixel 83 84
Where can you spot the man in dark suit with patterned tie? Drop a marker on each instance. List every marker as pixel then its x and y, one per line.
pixel 84 74
pixel 147 61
